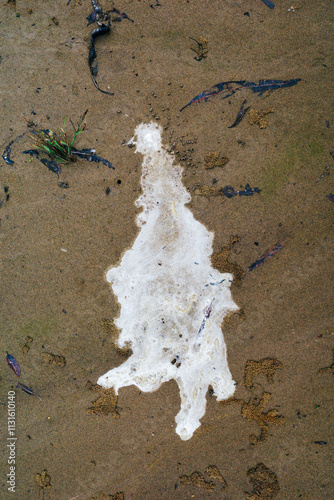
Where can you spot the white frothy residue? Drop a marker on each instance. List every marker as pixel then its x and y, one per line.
pixel 172 301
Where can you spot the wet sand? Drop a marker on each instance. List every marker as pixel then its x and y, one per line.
pixel 272 440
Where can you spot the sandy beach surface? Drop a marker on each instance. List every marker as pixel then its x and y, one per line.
pixel 60 235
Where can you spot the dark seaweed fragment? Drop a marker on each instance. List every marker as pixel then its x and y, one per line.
pixel 122 15
pixel 229 191
pixel 269 3
pixel 83 153
pixel 13 364
pixel 31 152
pixel 6 153
pixel 51 165
pixel 257 263
pixel 232 86
pixel 241 113
pixel 104 28
pixel 92 18
pixel 248 191
pixel 265 85
pixel 269 253
pixel 5 189
pixel 89 155
pixel 98 159
pixel 28 390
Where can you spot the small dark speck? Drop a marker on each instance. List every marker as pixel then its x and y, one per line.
pixel 107 191
pixel 256 243
pixel 247 14
pixel 328 124
pixel 320 442
pixel 6 188
pixel 33 113
pixel 63 185
pixel 64 311
pixel 119 181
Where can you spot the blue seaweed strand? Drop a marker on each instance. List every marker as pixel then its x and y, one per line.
pixel 268 3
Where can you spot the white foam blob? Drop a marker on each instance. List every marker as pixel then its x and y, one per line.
pixel 172 301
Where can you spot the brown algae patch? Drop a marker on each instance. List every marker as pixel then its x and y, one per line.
pixel 53 359
pixel 106 402
pixel 220 261
pixel 259 117
pixel 215 159
pixel 266 366
pixel 265 483
pixel 111 329
pixel 253 409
